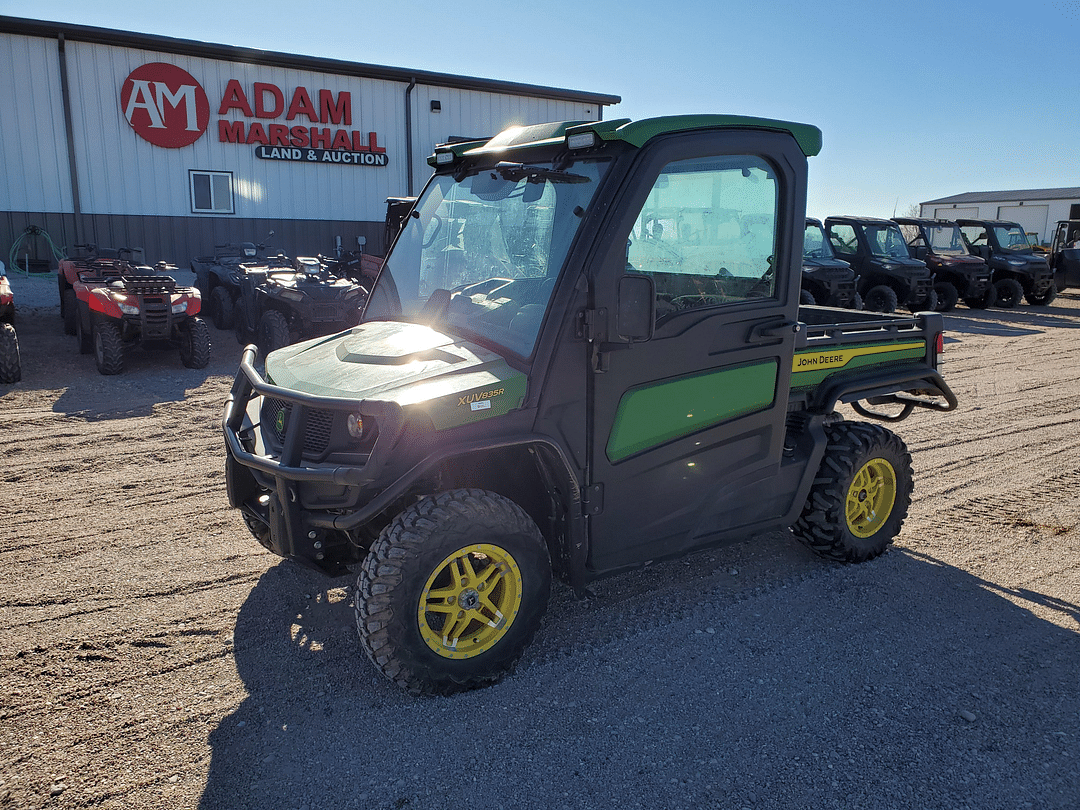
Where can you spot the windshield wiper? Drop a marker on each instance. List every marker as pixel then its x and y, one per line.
pixel 536 174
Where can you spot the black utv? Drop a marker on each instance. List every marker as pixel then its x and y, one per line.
pixel 281 305
pixel 888 276
pixel 218 277
pixel 1015 268
pixel 826 280
pixel 1065 254
pixel 957 273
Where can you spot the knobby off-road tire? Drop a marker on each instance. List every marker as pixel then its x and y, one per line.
pixel 240 320
pixel 928 304
pixel 452 592
pixel 984 301
pixel 947 296
pixel 195 343
pixel 222 312
pixel 860 496
pixel 10 362
pixel 69 310
pixel 807 298
pixel 108 348
pixel 273 331
pixel 1043 300
pixel 881 299
pixel 1008 292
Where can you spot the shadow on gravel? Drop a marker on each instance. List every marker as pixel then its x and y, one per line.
pixel 1024 320
pixel 902 683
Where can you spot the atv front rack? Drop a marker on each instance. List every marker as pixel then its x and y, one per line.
pixel 149 285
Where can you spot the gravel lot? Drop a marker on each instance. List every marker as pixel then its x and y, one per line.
pixel 154 656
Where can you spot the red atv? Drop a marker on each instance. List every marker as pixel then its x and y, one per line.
pixel 111 304
pixel 10 366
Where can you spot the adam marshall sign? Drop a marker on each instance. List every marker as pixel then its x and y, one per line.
pixel 167 107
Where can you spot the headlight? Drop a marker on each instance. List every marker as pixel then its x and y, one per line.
pixel 355 423
pixel 1017 262
pixel 292 295
pixel 178 308
pixel 128 309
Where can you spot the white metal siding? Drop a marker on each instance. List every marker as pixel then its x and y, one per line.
pixel 33 147
pixel 1032 218
pixel 956 213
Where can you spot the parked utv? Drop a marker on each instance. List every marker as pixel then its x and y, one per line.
pixel 1065 254
pixel 218 276
pixel 957 273
pixel 10 361
pixel 584 352
pixel 113 304
pixel 280 305
pixel 888 276
pixel 1015 270
pixel 826 280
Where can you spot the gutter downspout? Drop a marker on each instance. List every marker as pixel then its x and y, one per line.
pixel 409 137
pixel 65 96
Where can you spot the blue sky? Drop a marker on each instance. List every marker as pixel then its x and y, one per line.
pixel 915 101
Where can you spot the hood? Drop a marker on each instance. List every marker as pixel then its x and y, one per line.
pixel 814 264
pixel 451 380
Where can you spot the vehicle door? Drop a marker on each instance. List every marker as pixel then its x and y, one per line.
pixel 688 425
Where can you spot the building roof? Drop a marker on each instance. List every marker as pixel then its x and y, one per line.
pixel 232 53
pixel 1008 196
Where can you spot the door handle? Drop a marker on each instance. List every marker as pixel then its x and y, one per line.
pixel 771 331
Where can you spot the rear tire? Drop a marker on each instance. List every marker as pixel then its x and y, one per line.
pixel 108 348
pixel 273 331
pixel 860 496
pixel 10 361
pixel 69 310
pixel 881 298
pixel 85 341
pixel 1008 292
pixel 195 343
pixel 947 296
pixel 221 308
pixel 1043 300
pixel 452 592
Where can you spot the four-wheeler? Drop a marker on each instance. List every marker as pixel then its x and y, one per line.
pixel 112 304
pixel 10 363
pixel 826 280
pixel 1015 270
pixel 584 352
pixel 280 305
pixel 218 277
pixel 1065 254
pixel 888 276
pixel 957 273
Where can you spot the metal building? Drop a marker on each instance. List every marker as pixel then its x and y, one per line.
pixel 124 139
pixel 1036 210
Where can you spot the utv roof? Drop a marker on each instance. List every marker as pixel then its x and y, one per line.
pixel 923 221
pixel 990 222
pixel 635 133
pixel 859 220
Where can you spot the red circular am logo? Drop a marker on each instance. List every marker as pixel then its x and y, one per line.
pixel 165 105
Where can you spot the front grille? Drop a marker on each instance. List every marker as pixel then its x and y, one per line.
pixel 326 312
pixel 155 316
pixel 320 424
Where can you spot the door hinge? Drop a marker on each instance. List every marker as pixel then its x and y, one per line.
pixel 592 500
pixel 592 324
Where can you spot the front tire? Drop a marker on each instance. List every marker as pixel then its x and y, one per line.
pixel 806 298
pixel 273 331
pixel 1044 300
pixel 947 296
pixel 452 592
pixel 984 301
pixel 10 361
pixel 108 348
pixel 860 496
pixel 1008 292
pixel 195 343
pixel 881 298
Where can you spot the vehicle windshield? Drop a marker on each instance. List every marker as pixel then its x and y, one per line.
pixel 815 245
pixel 480 256
pixel 886 241
pixel 1012 237
pixel 946 240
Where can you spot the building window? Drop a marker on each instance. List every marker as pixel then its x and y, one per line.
pixel 211 192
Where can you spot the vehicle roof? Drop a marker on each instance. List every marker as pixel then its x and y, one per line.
pixel 962 220
pixel 635 133
pixel 859 220
pixel 923 221
pixel 813 221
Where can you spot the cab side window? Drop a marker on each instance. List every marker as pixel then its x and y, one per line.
pixel 707 233
pixel 843 239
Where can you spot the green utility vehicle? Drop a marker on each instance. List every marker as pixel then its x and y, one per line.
pixel 584 352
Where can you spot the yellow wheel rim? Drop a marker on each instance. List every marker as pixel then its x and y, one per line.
pixel 870 497
pixel 470 601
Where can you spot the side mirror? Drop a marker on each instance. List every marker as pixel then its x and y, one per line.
pixel 920 252
pixel 637 307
